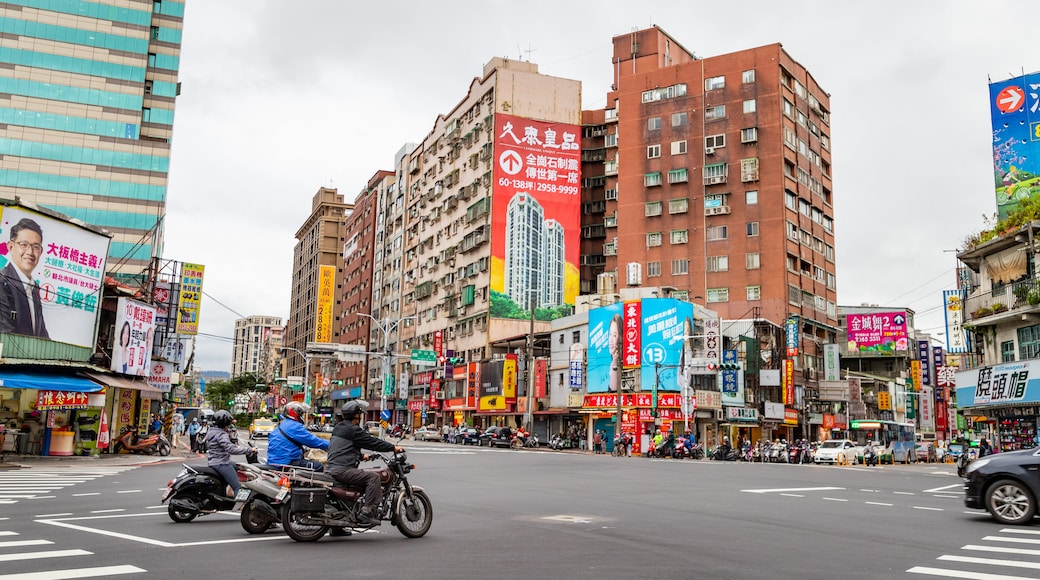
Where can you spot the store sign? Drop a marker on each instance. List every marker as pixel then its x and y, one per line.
pixel 831 363
pixel 741 414
pixel 927 410
pixel 708 400
pixel 788 386
pixel 631 343
pixel 774 410
pixel 924 353
pixel 577 367
pixel 60 401
pixel 790 416
pixel 877 332
pixel 635 400
pixel 884 400
pixel 946 376
pixel 791 328
pixel 1017 382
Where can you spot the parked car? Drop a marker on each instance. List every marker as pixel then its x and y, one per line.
pixel 832 450
pixel 1006 485
pixel 261 428
pixel 927 452
pixel 955 450
pixel 427 434
pixel 468 436
pixel 496 437
pixel 373 428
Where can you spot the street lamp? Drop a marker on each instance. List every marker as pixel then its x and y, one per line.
pixel 306 371
pixel 686 384
pixel 386 327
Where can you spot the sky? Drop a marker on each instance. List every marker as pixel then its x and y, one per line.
pixel 284 98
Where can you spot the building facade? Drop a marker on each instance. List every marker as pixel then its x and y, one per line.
pixel 256 340
pixel 87 121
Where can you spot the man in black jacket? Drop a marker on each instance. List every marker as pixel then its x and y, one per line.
pixel 348 441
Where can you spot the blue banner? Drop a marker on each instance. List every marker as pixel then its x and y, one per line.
pixel 605 328
pixel 665 321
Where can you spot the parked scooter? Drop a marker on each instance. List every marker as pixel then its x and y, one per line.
pixel 557 443
pixel 148 445
pixel 201 490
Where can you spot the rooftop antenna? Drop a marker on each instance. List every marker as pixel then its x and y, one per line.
pixel 520 52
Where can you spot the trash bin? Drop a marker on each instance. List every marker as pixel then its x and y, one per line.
pixel 22 442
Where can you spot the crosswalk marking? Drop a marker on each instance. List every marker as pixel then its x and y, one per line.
pixel 47 554
pixel 99 572
pixel 991 561
pixel 977 567
pixel 20 543
pixel 47 558
pixel 964 574
pixel 42 483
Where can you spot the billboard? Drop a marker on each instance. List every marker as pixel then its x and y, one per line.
pixel 665 321
pixel 52 275
pixel 190 300
pixel 323 314
pixel 1015 382
pixel 953 308
pixel 535 217
pixel 1015 113
pixel 135 334
pixel 604 353
pixel 883 332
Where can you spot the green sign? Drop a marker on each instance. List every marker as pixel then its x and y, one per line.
pixel 424 357
pixel 389 387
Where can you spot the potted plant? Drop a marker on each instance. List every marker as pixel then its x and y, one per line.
pixel 998 307
pixel 1033 297
pixel 981 312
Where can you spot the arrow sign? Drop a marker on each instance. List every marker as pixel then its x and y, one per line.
pixel 1010 98
pixel 510 162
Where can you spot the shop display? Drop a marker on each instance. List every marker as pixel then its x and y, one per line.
pixel 1016 433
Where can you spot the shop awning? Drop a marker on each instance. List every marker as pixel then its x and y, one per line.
pixel 47 382
pixel 121 382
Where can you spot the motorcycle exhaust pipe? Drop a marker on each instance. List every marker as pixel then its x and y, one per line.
pixel 265 508
pixel 184 504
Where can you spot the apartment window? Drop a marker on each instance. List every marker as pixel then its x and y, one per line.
pixel 1007 351
pixel 653 151
pixel 805 237
pixel 752 229
pixel 715 170
pixel 828 252
pixel 717 233
pixel 610 140
pixel 716 264
pixel 1029 342
pixel 714 141
pixel 754 293
pixel 828 224
pixel 830 281
pixel 680 267
pixel 794 295
pixel 749 169
pixel 653 239
pixel 825 141
pixel 680 236
pixel 710 84
pixel 652 179
pixel 749 135
pixel 653 269
pixel 792 231
pixel 678 176
pixel 679 147
pixel 749 106
pixel 752 261
pixel 653 123
pixel 652 208
pixel 817 244
pixel 678 119
pixel 716 112
pixel 747 76
pixel 718 294
pixel 155 33
pixel 791 200
pixel 678 205
pixel 751 197
pixel 788 108
pixel 804 208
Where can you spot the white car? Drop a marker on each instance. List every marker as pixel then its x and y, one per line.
pixel 427 434
pixel 833 450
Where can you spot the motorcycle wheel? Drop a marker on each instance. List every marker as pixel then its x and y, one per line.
pixel 254 521
pixel 300 532
pixel 117 447
pixel 180 516
pixel 164 449
pixel 415 516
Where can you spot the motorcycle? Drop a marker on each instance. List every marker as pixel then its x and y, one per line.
pixel 149 444
pixel 870 455
pixel 318 502
pixel 556 443
pixel 200 439
pixel 261 500
pixel 962 462
pixel 200 490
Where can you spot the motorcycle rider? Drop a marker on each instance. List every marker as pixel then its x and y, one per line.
pixel 285 444
pixel 348 441
pixel 219 450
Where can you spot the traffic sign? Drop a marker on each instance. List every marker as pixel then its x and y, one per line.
pixel 424 357
pixel 325 381
pixel 1010 99
pixel 384 414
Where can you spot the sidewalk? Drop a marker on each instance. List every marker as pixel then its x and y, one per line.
pixel 180 452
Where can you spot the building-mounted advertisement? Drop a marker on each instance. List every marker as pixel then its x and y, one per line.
pixel 535 218
pixel 877 332
pixel 51 274
pixel 956 336
pixel 1003 384
pixel 190 300
pixel 135 334
pixel 604 354
pixel 1015 112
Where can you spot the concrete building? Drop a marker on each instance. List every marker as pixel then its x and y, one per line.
pixel 257 339
pixel 88 117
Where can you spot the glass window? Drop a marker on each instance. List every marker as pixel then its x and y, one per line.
pixel 716 112
pixel 718 294
pixel 653 269
pixel 680 267
pixel 678 119
pixel 717 233
pixel 748 76
pixel 754 292
pixel 714 83
pixel 678 147
pixel 678 205
pixel 749 106
pixel 749 135
pixel 653 151
pixel 652 179
pixel 680 236
pixel 1007 351
pixel 752 261
pixel 715 141
pixel 652 208
pixel 678 176
pixel 1029 342
pixel 751 197
pixel 653 239
pixel 653 123
pixel 717 264
pixel 752 229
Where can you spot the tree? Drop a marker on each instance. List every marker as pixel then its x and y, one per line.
pixel 221 394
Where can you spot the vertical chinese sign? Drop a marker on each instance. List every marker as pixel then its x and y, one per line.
pixel 191 298
pixel 135 334
pixel 326 298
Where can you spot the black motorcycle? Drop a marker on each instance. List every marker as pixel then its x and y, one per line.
pixel 200 490
pixel 318 502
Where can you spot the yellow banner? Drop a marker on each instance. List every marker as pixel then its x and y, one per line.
pixel 323 316
pixel 509 379
pixel 190 300
pixel 884 401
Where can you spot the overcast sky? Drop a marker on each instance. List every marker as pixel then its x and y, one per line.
pixel 281 98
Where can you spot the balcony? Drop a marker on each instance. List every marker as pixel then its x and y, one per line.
pixel 1008 302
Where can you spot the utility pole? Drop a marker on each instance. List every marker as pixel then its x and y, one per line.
pixel 386 327
pixel 529 412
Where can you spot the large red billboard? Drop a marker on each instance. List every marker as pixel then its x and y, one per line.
pixel 535 220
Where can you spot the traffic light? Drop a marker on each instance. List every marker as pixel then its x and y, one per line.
pixel 456 361
pixel 723 366
pixel 338 383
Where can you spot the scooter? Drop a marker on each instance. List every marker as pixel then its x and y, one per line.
pixel 149 444
pixel 262 499
pixel 556 443
pixel 201 490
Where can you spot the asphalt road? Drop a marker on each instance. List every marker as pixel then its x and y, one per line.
pixel 534 514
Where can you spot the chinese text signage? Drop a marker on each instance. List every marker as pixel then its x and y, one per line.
pixel 60 401
pixel 135 333
pixel 190 299
pixel 1015 382
pixel 323 315
pixel 877 332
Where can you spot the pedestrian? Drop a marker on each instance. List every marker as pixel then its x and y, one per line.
pixel 156 424
pixel 597 442
pixel 193 430
pixel 629 443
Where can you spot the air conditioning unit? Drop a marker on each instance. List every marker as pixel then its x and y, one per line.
pixel 709 150
pixel 440 395
pixel 810 374
pixel 720 210
pixel 719 415
pixel 715 180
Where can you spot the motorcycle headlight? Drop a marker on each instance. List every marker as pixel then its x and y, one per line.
pixel 977 464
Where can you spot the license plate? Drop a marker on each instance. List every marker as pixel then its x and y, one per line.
pixel 242 495
pixel 281 494
pixel 165 496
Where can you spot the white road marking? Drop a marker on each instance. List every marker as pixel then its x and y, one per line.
pixel 1017 531
pixel 791 489
pixel 37 555
pixel 878 503
pixel 13 496
pixel 129 491
pixel 107 511
pixel 84 494
pixel 792 495
pixel 833 499
pixel 54 515
pixel 962 574
pixel 948 496
pixel 8 501
pixel 871 490
pixel 1002 550
pixel 1012 540
pixel 931 509
pixel 6 533
pixel 45 497
pixel 19 543
pixel 102 571
pixel 991 561
pixel 959 486
pixel 904 493
pixel 157 507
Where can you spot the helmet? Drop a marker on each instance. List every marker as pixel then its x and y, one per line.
pixel 222 418
pixel 296 410
pixel 353 408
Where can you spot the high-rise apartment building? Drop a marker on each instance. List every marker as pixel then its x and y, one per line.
pixel 87 98
pixel 257 338
pixel 712 176
pixel 319 242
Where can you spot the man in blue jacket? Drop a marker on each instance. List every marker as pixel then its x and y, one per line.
pixel 285 444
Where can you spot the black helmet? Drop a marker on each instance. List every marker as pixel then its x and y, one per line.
pixel 222 418
pixel 353 408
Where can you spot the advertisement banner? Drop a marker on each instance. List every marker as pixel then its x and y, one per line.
pixel 577 367
pixel 788 382
pixel 491 395
pixel 135 333
pixel 732 381
pixel 924 353
pixel 190 300
pixel 884 399
pixel 536 217
pixel 877 332
pixel 938 359
pixel 927 410
pixel 541 377
pixel 1014 382
pixel 915 374
pixel 326 298
pixel 831 363
pixel 125 410
pixel 509 379
pixel 60 401
pixel 791 332
pixel 946 376
pixel 438 345
pixel 670 400
pixel 953 308
pixel 664 322
pixel 630 345
pixel 1015 113
pixel 51 274
pixel 473 383
pixel 604 354
pixel 160 375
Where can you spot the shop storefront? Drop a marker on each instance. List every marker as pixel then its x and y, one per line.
pixel 1003 402
pixel 638 416
pixel 741 424
pixel 49 413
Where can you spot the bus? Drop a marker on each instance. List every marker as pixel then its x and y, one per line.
pixel 897 439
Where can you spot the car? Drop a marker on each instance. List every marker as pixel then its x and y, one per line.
pixel 927 452
pixel 835 451
pixel 1005 485
pixel 427 434
pixel 496 437
pixel 373 428
pixel 467 436
pixel 261 428
pixel 955 450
